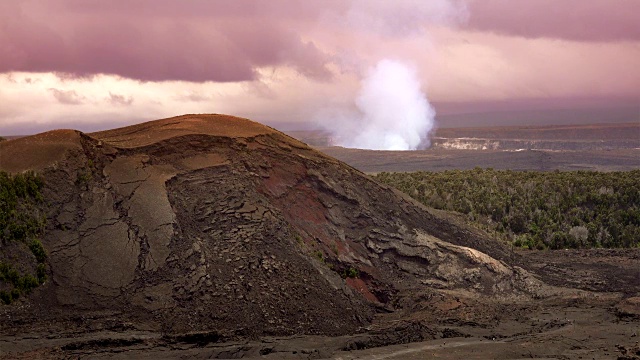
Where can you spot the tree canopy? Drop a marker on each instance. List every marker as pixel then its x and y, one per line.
pixel 577 209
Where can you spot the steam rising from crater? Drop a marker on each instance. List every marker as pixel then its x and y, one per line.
pixel 392 111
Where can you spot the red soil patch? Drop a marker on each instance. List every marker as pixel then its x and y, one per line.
pixel 206 124
pixel 360 286
pixel 302 208
pixel 38 151
pixel 306 207
pixel 299 202
pixel 282 178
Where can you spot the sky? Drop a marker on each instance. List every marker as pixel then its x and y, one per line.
pixel 92 65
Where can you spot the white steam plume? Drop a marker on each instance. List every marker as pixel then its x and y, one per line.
pixel 390 111
pixel 393 112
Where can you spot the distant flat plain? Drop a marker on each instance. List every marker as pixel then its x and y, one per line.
pixel 603 147
pixel 370 161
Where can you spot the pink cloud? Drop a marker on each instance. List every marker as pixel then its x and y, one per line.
pixel 152 41
pixel 582 20
pixel 227 41
pixel 294 57
pixel 67 97
pixel 119 100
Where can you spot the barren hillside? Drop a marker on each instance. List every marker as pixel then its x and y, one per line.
pixel 205 229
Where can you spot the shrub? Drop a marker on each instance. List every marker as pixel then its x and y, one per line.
pixel 554 209
pixel 319 255
pixel 41 273
pixel 21 223
pixel 5 297
pixel 38 250
pixel 84 177
pixel 580 233
pixel 28 283
pixel 19 195
pixel 334 248
pixel 15 294
pixel 21 285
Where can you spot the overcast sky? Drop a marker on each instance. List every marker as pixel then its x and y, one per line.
pixel 100 64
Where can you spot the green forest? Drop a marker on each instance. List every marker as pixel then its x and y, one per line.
pixel 536 210
pixel 20 226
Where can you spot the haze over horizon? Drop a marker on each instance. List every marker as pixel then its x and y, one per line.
pixel 94 65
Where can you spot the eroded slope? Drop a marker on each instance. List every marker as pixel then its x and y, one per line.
pixel 217 224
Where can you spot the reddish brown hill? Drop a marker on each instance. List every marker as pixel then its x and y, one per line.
pixel 216 224
pixel 39 151
pixel 152 132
